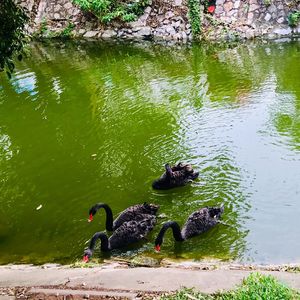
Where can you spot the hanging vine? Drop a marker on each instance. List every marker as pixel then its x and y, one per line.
pixel 195 16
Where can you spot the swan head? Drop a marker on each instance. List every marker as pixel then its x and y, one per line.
pixel 91 217
pixel 92 212
pixel 88 253
pixel 157 248
pixel 158 242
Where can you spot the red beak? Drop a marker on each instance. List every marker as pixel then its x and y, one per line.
pixel 157 248
pixel 85 259
pixel 90 218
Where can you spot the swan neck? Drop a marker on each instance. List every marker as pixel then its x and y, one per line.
pixel 169 171
pixel 104 241
pixel 175 229
pixel 109 215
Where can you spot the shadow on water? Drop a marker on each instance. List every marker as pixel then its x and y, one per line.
pixel 86 122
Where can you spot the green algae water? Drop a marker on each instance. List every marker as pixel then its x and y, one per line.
pixel 82 123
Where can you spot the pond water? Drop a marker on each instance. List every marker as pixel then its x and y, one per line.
pixel 82 123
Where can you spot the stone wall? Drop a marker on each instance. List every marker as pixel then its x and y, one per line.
pixel 162 20
pixel 257 17
pixel 168 20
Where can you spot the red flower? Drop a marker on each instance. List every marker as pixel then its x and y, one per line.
pixel 211 9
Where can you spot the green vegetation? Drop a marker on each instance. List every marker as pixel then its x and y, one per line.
pixel 12 35
pixel 195 18
pixel 256 286
pixel 267 2
pixel 293 18
pixel 64 33
pixel 110 10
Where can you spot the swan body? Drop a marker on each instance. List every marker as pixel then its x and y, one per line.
pixel 197 223
pixel 128 233
pixel 135 212
pixel 175 176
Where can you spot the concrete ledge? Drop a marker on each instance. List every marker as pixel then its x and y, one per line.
pixel 127 282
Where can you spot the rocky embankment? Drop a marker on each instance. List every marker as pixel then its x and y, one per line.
pixel 168 20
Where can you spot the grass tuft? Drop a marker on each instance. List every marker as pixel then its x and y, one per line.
pixel 254 287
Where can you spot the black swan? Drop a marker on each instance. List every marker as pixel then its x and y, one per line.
pixel 175 176
pixel 197 223
pixel 135 212
pixel 128 233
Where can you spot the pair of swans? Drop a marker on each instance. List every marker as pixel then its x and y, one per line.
pixel 137 221
pixel 132 225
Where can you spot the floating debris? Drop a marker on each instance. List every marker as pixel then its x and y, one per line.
pixel 39 207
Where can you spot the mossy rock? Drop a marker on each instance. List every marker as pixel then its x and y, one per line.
pixel 144 261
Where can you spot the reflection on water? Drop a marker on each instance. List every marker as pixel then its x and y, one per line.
pixel 86 122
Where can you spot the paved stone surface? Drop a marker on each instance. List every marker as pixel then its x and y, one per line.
pixel 132 279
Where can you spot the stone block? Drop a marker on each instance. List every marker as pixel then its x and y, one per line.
pixel 253 7
pixel 232 12
pixel 138 23
pixel 169 15
pixel 170 29
pixel 272 9
pixel 68 5
pixel 237 4
pixel 81 31
pixel 283 31
pixel 280 20
pixel 109 33
pixel 177 2
pixel 142 32
pixel 219 10
pixel 268 17
pixel 228 6
pixel 91 34
pixel 250 17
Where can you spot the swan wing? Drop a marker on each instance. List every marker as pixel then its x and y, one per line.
pixel 132 232
pixel 135 212
pixel 198 222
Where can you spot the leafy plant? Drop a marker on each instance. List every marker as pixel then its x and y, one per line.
pixel 109 10
pixel 67 31
pixel 293 18
pixel 12 34
pixel 45 32
pixel 194 14
pixel 43 27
